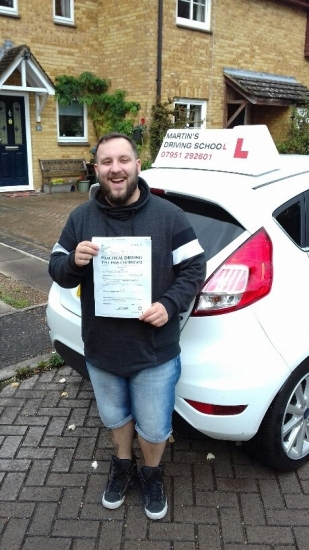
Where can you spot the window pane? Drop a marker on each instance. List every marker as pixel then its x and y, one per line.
pixel 62 8
pixel 71 120
pixel 199 11
pixel 195 116
pixel 7 3
pixel 181 114
pixel 75 109
pixel 184 9
pixel 17 123
pixel 188 115
pixel 3 125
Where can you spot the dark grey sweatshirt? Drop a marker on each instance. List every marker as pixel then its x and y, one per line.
pixel 125 346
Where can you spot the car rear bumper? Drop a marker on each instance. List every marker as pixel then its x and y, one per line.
pixel 65 332
pixel 221 368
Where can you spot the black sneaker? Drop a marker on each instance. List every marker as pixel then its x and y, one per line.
pixel 153 491
pixel 121 475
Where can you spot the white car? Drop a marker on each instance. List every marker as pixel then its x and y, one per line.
pixel 245 341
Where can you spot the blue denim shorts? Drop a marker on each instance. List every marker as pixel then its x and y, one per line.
pixel 147 397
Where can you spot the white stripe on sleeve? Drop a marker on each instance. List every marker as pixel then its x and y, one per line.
pixel 59 248
pixel 186 251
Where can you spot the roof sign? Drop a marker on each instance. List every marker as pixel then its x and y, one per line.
pixel 241 150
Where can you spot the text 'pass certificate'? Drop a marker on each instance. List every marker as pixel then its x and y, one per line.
pixel 122 276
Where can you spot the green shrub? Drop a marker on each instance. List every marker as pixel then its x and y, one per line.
pixel 297 142
pixel 110 112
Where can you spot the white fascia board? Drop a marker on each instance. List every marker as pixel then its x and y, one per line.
pixel 39 78
pixel 27 89
pixel 29 71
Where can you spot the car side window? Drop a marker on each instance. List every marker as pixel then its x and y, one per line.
pixel 291 217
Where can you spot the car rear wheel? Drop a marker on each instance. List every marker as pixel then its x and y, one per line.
pixel 282 441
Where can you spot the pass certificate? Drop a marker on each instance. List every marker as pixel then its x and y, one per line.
pixel 122 276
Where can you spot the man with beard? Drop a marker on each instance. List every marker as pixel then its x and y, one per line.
pixel 133 364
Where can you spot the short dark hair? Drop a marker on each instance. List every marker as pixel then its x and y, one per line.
pixel 116 135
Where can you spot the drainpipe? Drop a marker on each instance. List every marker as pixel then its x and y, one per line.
pixel 159 50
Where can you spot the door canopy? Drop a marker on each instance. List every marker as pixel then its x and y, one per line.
pixel 21 72
pixel 261 89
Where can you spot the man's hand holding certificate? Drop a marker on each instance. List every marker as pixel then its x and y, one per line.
pixel 122 276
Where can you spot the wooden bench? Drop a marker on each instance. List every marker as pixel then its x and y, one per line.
pixel 61 168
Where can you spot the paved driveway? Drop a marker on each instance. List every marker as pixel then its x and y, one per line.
pixel 33 223
pixel 50 493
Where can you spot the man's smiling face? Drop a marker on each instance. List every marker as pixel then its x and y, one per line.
pixel 117 169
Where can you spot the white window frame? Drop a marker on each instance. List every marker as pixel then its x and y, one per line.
pixel 74 139
pixel 64 20
pixel 189 103
pixel 302 112
pixel 10 11
pixel 190 22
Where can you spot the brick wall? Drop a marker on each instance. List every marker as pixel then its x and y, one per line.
pixel 117 39
pixel 59 50
pixel 128 46
pixel 255 35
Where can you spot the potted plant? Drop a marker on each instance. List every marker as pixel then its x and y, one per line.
pixel 82 185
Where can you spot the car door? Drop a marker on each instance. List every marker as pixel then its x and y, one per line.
pixel 13 146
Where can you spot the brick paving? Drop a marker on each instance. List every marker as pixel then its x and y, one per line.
pixel 33 223
pixel 50 494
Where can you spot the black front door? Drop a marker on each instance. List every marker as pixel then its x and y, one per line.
pixel 13 146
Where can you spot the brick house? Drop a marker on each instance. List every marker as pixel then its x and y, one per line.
pixel 222 62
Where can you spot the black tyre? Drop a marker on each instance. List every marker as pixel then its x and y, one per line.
pixel 282 442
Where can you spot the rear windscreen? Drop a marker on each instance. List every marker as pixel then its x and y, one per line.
pixel 215 228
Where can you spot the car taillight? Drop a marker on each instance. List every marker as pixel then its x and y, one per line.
pixel 245 277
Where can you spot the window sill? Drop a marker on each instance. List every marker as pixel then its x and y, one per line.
pixel 193 25
pixel 65 23
pixel 73 143
pixel 6 14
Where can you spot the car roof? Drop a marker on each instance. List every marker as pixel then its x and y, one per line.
pixel 288 181
pixel 259 179
pixel 212 183
pixel 261 195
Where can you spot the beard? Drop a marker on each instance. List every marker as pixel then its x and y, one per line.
pixel 114 198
